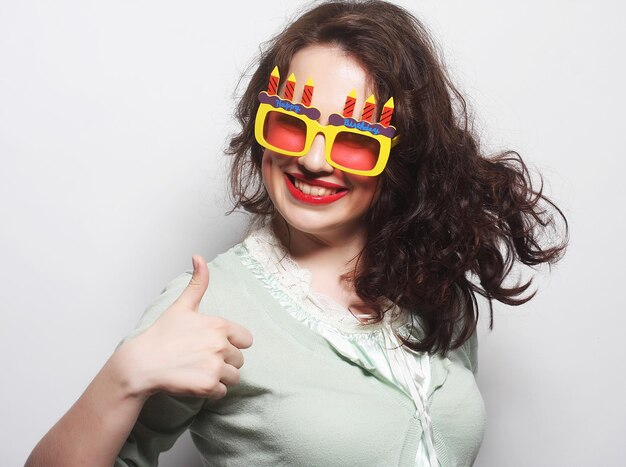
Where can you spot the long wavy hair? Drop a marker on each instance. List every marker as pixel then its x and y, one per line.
pixel 450 222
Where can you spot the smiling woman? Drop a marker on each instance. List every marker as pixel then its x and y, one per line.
pixel 368 223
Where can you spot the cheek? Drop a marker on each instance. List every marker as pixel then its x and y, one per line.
pixel 369 191
pixel 272 168
pixel 265 166
pixel 271 160
pixel 368 186
pixel 266 163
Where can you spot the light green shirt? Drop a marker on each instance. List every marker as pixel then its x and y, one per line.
pixel 300 401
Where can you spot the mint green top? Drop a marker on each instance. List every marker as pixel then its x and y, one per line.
pixel 306 398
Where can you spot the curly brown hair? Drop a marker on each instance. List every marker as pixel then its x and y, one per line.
pixel 450 222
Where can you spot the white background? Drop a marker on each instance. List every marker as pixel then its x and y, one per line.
pixel 113 119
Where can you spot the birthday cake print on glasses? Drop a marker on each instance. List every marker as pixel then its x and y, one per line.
pixel 359 147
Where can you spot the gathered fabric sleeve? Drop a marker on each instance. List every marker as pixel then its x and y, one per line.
pixel 467 354
pixel 163 418
pixel 472 352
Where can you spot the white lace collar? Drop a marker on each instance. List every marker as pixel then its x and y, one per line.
pixel 296 282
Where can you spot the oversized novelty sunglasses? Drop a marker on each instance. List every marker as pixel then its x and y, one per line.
pixel 355 147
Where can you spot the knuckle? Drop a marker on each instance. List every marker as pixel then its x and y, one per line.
pixel 239 359
pixel 220 346
pixel 212 366
pixel 219 323
pixel 214 389
pixel 220 392
pixel 211 383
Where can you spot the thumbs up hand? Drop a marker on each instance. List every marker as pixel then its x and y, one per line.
pixel 185 352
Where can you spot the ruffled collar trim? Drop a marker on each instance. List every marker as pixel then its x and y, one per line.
pixel 296 282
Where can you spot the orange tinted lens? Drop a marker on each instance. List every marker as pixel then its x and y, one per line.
pixel 284 131
pixel 355 151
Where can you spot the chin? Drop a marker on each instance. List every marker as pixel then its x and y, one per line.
pixel 320 224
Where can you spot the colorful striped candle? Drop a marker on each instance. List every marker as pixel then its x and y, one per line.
pixel 307 94
pixel 368 110
pixel 290 85
pixel 385 116
pixel 272 87
pixel 348 107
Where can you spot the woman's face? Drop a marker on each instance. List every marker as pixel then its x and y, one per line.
pixel 334 75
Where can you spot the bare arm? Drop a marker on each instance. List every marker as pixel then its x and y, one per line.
pixel 182 353
pixel 93 431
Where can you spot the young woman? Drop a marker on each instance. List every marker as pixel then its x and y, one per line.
pixel 375 221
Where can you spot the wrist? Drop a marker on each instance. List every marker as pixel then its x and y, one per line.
pixel 124 370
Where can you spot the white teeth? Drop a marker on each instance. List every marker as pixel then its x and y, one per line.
pixel 313 190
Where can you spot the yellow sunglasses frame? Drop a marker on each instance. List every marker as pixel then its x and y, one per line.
pixel 330 132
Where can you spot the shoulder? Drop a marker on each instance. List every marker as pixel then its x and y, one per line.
pixel 226 279
pixel 467 354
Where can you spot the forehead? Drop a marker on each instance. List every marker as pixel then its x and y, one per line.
pixel 334 74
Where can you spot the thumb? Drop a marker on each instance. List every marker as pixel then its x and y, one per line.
pixel 193 293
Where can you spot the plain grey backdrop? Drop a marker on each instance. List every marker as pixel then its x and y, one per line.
pixel 113 120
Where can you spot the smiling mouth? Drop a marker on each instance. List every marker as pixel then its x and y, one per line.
pixel 313 194
pixel 314 190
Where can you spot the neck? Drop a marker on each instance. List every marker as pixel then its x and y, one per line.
pixel 329 250
pixel 327 256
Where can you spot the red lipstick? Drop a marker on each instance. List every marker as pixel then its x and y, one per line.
pixel 312 199
pixel 316 182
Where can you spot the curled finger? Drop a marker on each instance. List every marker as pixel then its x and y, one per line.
pixel 233 356
pixel 229 375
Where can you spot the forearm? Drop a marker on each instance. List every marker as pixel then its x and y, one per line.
pixel 95 428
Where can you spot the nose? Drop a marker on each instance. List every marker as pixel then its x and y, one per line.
pixel 315 159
